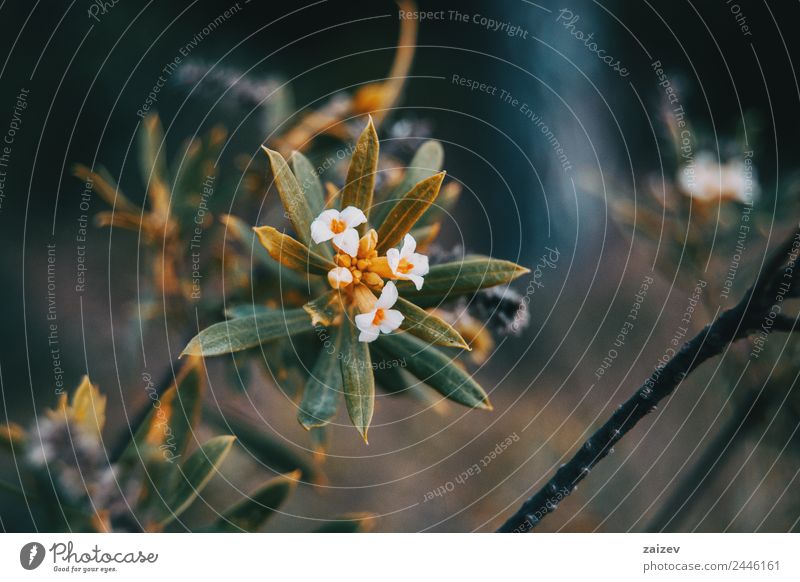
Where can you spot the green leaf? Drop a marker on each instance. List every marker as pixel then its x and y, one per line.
pixel 348 523
pixel 360 181
pixel 436 369
pixel 239 334
pixel 244 233
pixel 247 310
pixel 451 280
pixel 407 211
pixel 324 309
pixel 269 453
pixel 252 512
pixel 195 475
pixel 396 382
pixel 167 428
pixel 194 172
pixel 291 252
pixel 426 162
pixel 187 404
pixel 292 196
pixel 322 390
pixel 428 327
pixel 359 383
pixel 309 182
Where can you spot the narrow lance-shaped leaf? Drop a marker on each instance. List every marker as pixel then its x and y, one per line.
pixel 309 182
pixel 154 164
pixel 325 308
pixel 291 252
pixel 106 188
pixel 247 310
pixel 428 327
pixel 360 181
pixel 243 232
pixel 242 333
pixel 359 383
pixel 292 196
pixel 407 211
pixel 251 513
pixel 195 474
pixel 451 280
pixel 269 453
pixel 167 429
pixel 394 380
pixel 323 388
pixel 426 162
pixel 436 369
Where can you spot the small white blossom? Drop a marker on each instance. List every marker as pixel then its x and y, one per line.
pixel 707 181
pixel 340 227
pixel 382 319
pixel 340 277
pixel 407 264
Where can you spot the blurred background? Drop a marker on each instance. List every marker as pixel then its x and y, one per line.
pixel 570 150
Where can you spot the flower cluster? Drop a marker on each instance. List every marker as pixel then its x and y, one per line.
pixel 371 290
pixel 360 269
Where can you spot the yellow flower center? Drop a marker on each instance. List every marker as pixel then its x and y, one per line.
pixel 379 315
pixel 404 266
pixel 338 226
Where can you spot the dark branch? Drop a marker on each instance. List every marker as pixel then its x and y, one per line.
pixel 758 311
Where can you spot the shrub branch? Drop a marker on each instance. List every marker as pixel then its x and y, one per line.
pixel 757 312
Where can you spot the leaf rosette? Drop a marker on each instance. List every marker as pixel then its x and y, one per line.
pixel 373 290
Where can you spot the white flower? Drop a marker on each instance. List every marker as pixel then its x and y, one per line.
pixel 382 318
pixel 340 277
pixel 339 226
pixel 707 181
pixel 406 264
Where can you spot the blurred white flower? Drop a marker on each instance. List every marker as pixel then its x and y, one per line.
pixel 706 180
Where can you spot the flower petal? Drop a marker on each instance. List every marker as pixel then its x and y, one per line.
pixel 416 279
pixel 420 263
pixel 391 320
pixel 368 335
pixel 388 296
pixel 393 258
pixel 347 241
pixel 364 320
pixel 321 231
pixel 352 216
pixel 409 246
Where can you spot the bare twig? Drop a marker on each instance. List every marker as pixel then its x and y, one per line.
pixel 758 311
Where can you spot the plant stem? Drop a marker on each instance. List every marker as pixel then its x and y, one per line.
pixel 777 280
